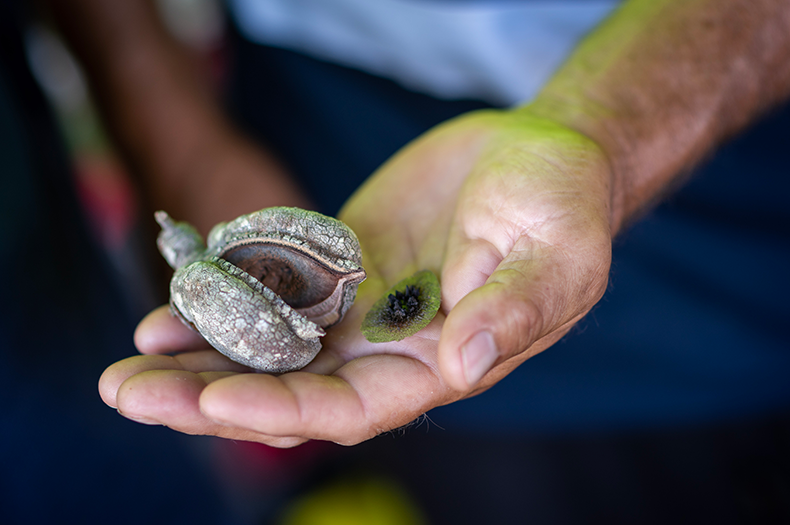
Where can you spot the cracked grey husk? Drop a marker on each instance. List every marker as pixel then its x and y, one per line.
pixel 266 285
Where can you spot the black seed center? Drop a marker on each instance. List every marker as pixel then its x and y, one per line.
pixel 402 306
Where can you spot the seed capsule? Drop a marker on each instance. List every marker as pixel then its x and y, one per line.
pixel 267 284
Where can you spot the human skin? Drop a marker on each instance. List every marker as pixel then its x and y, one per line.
pixel 163 115
pixel 515 210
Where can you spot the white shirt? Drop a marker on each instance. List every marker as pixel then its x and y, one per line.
pixel 498 51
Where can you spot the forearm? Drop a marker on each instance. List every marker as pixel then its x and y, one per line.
pixel 662 82
pixel 164 116
pixel 155 101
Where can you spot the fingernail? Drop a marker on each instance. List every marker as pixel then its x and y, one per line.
pixel 477 357
pixel 140 419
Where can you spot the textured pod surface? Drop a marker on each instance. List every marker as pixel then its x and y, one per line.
pixel 243 319
pixel 266 285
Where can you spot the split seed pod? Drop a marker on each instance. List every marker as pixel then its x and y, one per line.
pixel 404 309
pixel 266 286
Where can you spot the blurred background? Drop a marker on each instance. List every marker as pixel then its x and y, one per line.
pixel 691 428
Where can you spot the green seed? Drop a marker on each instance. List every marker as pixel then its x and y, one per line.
pixel 404 310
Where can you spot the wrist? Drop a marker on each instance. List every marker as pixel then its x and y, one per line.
pixel 571 123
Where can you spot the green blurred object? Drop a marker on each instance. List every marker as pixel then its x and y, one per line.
pixel 354 501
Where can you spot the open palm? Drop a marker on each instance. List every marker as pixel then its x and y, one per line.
pixel 511 211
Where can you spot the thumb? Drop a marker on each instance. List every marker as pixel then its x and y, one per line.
pixel 526 297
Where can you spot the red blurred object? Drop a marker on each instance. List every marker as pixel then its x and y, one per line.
pixel 108 198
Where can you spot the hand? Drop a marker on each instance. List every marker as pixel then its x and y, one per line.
pixel 511 210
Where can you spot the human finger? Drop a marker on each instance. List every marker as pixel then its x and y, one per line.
pixel 366 397
pixel 196 362
pixel 534 294
pixel 170 397
pixel 160 332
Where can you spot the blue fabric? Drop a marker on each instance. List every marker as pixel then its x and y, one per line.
pixel 332 137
